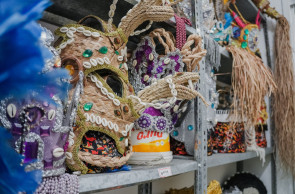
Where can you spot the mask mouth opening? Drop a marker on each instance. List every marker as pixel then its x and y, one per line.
pixel 98 143
pixel 32 115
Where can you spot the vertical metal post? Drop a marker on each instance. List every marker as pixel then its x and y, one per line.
pixel 145 188
pixel 200 154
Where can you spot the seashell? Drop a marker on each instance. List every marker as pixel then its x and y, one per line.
pixel 64 29
pixel 80 29
pixel 51 114
pixel 87 65
pixel 58 152
pixel 167 61
pixel 95 34
pixel 73 29
pixel 69 155
pixel 104 122
pixel 93 62
pixel 146 78
pixel 151 56
pixel 120 58
pixel 125 66
pixel 134 63
pixel 100 61
pixel 87 33
pixel 11 110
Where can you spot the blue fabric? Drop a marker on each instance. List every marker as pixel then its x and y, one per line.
pixel 21 61
pixel 21 54
pixel 13 177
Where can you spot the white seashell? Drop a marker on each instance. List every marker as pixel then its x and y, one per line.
pixel 64 29
pixel 93 78
pixel 169 80
pixel 63 45
pixel 104 122
pixel 120 58
pixel 174 92
pixel 104 91
pixel 70 41
pixel 11 110
pixel 100 61
pixel 87 65
pixel 80 29
pixel 125 66
pixel 87 33
pixel 93 62
pixel 134 63
pixel 145 64
pixel 51 114
pixel 98 84
pixel 58 50
pixel 111 96
pixel 69 155
pixel 73 29
pixel 107 60
pixel 157 106
pixel 92 118
pixel 71 142
pixel 146 78
pixel 124 133
pixel 151 56
pixel 70 34
pixel 110 125
pixel 71 135
pixel 126 142
pixel 116 102
pixel 116 128
pixel 184 108
pixel 167 61
pixel 176 107
pixel 172 100
pixel 87 116
pixel 98 120
pixel 95 34
pixel 58 152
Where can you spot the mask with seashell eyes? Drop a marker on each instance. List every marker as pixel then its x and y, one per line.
pixel 38 134
pixel 105 107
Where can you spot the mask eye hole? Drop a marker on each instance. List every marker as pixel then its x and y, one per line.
pixel 113 81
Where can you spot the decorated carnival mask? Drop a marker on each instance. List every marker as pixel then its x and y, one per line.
pixel 150 139
pixel 105 114
pixel 38 133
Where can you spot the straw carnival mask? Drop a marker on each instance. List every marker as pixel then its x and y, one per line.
pixel 104 113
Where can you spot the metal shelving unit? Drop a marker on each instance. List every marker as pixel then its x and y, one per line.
pixel 138 175
pixel 63 12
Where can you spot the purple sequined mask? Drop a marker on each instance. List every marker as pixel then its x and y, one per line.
pixel 146 65
pixel 38 134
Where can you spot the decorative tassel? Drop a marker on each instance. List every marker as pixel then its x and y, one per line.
pixel 284 99
pixel 181 30
pixel 251 81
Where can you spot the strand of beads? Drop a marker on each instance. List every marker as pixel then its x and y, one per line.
pixel 65 183
pixel 165 105
pixel 143 30
pixel 111 14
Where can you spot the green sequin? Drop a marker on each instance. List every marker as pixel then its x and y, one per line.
pixel 121 138
pixel 247 31
pixel 103 50
pixel 244 45
pixel 117 53
pixel 245 37
pixel 88 106
pixel 121 65
pixel 87 53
